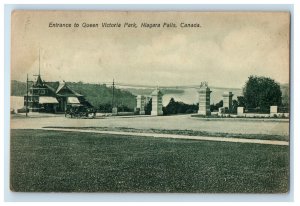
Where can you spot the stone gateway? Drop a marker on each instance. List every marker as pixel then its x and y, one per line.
pixel 156 103
pixel 204 99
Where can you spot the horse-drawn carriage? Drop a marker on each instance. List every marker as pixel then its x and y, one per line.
pixel 80 111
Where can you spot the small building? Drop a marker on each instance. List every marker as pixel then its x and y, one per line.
pixel 52 97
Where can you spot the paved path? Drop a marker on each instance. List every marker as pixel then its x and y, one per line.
pixel 177 122
pixel 175 136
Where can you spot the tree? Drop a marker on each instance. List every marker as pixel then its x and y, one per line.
pixel 241 101
pixel 175 107
pixel 220 104
pixel 261 92
pixel 215 107
pixel 235 105
pixel 172 107
pixel 148 107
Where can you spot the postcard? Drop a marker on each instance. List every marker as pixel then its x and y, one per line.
pixel 150 102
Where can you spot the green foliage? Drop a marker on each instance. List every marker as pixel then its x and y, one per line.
pixel 215 107
pixel 18 88
pixel 175 107
pixel 105 107
pixel 261 92
pixel 148 107
pixel 235 105
pixel 241 101
pixel 100 96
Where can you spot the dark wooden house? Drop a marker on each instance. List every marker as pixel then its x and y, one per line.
pixel 53 97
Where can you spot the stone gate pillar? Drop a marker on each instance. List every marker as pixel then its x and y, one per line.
pixel 156 103
pixel 140 104
pixel 204 99
pixel 227 101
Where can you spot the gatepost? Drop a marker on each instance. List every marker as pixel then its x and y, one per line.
pixel 227 101
pixel 204 99
pixel 156 103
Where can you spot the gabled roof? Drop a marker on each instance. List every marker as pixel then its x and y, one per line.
pixel 39 81
pixel 51 88
pixel 64 86
pixel 58 88
pixel 52 85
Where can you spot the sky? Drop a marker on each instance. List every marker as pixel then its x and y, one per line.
pixel 224 50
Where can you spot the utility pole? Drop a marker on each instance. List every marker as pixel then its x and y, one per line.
pixel 27 96
pixel 114 109
pixel 113 94
pixel 39 61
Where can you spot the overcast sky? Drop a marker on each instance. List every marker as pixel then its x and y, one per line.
pixel 224 51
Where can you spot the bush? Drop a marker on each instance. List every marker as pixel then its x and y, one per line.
pixel 175 107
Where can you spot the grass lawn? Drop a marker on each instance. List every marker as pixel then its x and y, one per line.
pixel 186 132
pixel 87 162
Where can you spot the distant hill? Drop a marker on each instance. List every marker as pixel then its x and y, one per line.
pixel 18 88
pixel 96 94
pixel 99 95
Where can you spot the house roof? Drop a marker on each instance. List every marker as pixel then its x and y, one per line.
pixel 63 86
pixel 52 85
pixel 39 81
pixel 60 88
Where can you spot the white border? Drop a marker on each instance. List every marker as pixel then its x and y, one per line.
pixel 9 196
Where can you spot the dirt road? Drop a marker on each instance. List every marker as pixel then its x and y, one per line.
pixel 179 122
